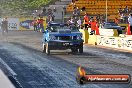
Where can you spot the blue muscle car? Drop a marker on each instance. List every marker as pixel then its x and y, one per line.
pixel 59 36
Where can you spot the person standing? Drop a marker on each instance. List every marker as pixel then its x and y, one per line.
pixel 4 26
pixel 78 12
pixel 126 9
pixel 116 20
pixel 86 21
pixel 79 22
pixel 41 26
pixel 64 9
pixel 130 22
pixel 93 27
pixel 71 20
pixel 35 24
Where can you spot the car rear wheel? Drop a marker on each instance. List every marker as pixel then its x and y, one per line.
pixel 47 49
pixel 81 48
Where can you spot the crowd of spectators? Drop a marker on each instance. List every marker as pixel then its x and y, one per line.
pixel 124 13
pixel 86 21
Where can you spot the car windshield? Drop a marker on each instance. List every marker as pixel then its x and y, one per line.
pixel 55 28
pixel 114 24
pixel 110 24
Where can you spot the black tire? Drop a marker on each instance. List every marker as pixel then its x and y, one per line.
pixel 47 49
pixel 44 48
pixel 81 48
pixel 74 50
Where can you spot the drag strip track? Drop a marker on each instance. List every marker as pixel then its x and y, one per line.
pixel 23 60
pixel 37 70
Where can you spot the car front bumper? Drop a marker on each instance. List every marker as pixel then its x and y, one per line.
pixel 62 45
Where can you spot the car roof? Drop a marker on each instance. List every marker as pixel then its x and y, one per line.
pixel 56 24
pixel 110 23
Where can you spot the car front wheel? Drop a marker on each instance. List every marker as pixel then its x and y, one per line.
pixel 74 50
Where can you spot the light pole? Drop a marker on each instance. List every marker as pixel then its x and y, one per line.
pixel 106 11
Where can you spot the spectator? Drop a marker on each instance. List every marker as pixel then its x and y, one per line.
pixel 71 21
pixel 79 22
pixel 35 24
pixel 83 9
pixel 49 11
pixel 120 11
pixel 130 22
pixel 86 20
pixel 4 26
pixel 52 17
pixel 40 24
pixel 68 21
pixel 74 12
pixel 64 8
pixel 54 9
pixel 93 27
pixel 116 20
pixel 126 10
pixel 98 17
pixel 73 1
pixel 122 18
pixel 44 11
pixel 77 12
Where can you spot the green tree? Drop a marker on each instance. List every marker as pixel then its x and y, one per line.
pixel 15 7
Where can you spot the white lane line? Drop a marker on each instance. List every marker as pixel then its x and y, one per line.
pixel 8 68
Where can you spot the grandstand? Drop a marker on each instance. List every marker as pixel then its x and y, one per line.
pixel 95 7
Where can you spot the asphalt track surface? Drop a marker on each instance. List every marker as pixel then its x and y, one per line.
pixel 22 60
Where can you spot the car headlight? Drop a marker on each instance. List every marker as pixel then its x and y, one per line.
pixel 52 37
pixel 79 37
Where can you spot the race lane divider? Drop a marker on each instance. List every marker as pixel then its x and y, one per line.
pixel 83 78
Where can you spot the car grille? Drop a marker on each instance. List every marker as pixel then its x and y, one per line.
pixel 65 38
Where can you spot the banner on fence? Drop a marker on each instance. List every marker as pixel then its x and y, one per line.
pixel 115 42
pixel 13 23
pixel 26 24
